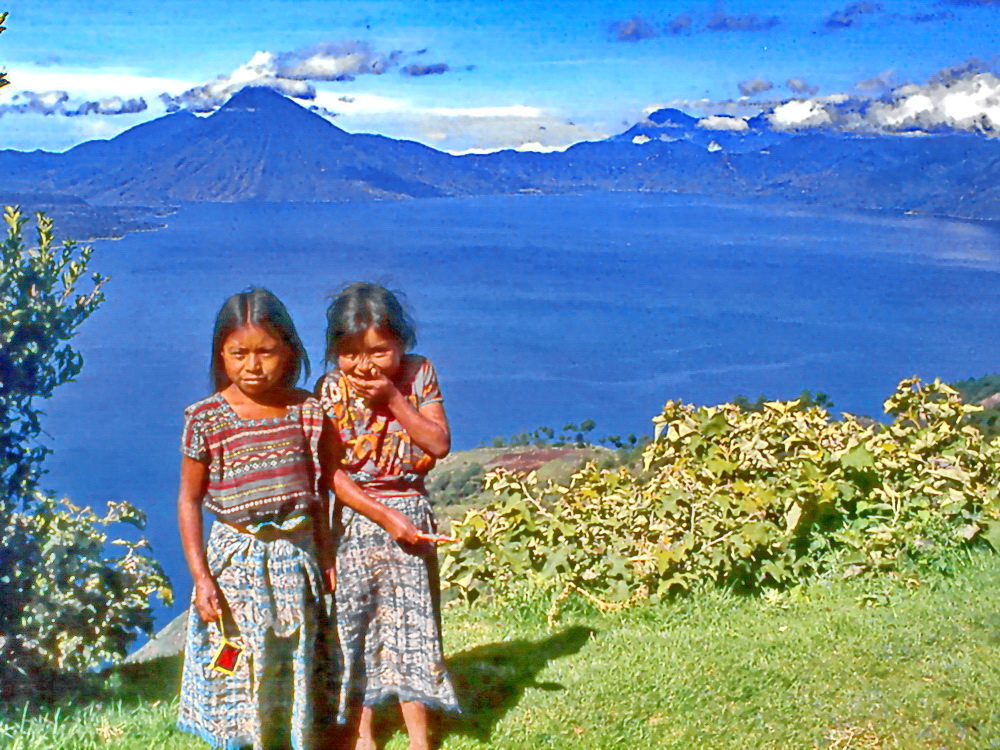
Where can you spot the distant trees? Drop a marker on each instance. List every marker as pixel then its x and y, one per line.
pixel 68 601
pixel 806 400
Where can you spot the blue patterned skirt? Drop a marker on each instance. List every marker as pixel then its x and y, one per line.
pixel 388 611
pixel 279 695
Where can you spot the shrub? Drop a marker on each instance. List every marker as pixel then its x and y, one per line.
pixel 67 600
pixel 460 485
pixel 754 499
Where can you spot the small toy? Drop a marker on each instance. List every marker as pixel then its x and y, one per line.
pixel 227 657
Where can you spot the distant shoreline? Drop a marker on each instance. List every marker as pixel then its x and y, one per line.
pixel 699 198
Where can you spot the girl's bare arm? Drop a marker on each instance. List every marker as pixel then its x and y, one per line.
pixel 348 493
pixel 194 480
pixel 324 543
pixel 427 427
pixel 397 524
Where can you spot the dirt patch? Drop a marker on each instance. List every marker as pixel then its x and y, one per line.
pixel 531 460
pixel 991 402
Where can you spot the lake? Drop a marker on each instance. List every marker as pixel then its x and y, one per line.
pixel 537 310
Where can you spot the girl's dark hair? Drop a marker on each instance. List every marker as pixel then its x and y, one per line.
pixel 360 306
pixel 257 307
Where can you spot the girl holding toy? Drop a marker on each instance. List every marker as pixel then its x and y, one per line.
pixel 387 415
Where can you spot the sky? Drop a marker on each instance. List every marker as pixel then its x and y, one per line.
pixel 471 76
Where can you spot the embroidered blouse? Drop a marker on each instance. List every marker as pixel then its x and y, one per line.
pixel 260 470
pixel 377 452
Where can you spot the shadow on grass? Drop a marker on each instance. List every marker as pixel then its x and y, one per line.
pixel 146 682
pixel 131 684
pixel 490 680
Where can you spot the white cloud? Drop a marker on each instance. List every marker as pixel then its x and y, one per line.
pixel 516 110
pixel 464 130
pixel 112 105
pixel 359 104
pixel 36 102
pixel 291 73
pixel 964 97
pixel 724 122
pixel 82 94
pixel 260 70
pixel 342 61
pixel 971 103
pixel 541 148
pixel 799 113
pixel 964 101
pixel 59 103
pixel 90 84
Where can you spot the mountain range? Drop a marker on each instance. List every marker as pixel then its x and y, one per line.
pixel 261 146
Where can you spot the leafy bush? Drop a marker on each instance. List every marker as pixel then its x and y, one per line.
pixel 66 601
pixel 975 390
pixel 85 607
pixel 750 498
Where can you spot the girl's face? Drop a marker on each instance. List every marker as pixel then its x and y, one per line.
pixel 374 349
pixel 255 360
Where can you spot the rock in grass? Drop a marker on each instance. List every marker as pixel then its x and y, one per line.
pixel 168 642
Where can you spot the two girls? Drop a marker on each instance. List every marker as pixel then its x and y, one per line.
pixel 257 661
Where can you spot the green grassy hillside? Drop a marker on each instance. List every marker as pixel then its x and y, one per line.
pixel 892 663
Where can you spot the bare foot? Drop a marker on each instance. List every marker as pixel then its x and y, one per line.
pixel 365 743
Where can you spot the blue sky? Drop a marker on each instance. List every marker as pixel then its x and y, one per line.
pixel 462 75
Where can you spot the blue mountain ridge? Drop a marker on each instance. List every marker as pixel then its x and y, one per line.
pixel 263 146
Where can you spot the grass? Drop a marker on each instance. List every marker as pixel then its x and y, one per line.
pixel 865 665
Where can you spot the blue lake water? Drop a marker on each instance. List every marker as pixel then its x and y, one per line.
pixel 537 310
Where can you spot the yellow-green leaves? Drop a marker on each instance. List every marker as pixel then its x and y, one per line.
pixel 754 498
pixel 858 457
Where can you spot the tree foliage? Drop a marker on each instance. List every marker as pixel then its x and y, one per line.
pixel 3 74
pixel 755 499
pixel 71 597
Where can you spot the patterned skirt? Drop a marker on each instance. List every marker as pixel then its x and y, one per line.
pixel 274 601
pixel 389 611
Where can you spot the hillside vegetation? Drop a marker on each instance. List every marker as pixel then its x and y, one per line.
pixel 760 500
pixel 869 665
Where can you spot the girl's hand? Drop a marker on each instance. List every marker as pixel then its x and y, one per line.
pixel 330 579
pixel 401 528
pixel 372 385
pixel 207 599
